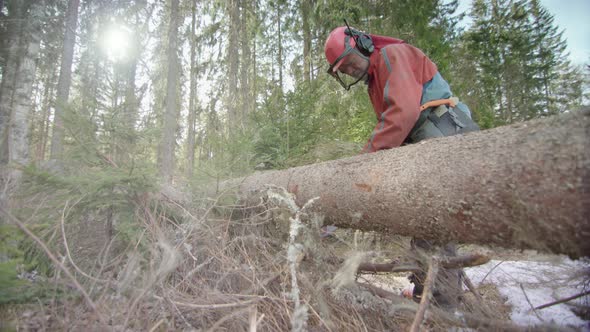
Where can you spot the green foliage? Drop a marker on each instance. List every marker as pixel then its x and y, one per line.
pixel 23 251
pixel 314 115
pixel 10 286
pixel 21 255
pixel 14 290
pixel 76 193
pixel 263 94
pixel 517 55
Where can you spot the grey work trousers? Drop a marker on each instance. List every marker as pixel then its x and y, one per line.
pixel 439 122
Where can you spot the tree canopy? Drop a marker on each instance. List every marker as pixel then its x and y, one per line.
pixel 196 88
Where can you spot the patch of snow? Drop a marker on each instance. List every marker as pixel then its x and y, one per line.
pixel 391 283
pixel 540 282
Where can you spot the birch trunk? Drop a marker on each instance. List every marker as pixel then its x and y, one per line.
pixel 521 186
pixel 20 109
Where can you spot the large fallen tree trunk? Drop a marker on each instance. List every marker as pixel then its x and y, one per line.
pixel 521 186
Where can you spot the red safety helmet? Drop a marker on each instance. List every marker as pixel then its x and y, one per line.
pixel 341 42
pixel 338 45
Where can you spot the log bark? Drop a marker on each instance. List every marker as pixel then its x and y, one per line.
pixel 521 186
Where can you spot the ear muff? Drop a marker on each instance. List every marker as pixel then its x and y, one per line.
pixel 364 42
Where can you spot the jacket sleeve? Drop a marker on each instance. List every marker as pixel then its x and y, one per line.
pixel 404 72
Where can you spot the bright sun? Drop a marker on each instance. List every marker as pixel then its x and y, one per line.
pixel 115 42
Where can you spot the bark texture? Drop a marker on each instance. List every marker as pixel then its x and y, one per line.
pixel 521 186
pixel 17 85
pixel 192 106
pixel 15 30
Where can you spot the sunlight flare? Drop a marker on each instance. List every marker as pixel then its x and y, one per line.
pixel 115 42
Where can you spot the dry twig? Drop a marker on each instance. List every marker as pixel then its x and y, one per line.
pixel 529 301
pixel 426 294
pixel 209 306
pixel 447 263
pixel 486 311
pixel 490 271
pixel 563 300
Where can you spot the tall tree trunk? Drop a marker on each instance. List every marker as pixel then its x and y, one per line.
pixel 519 186
pixel 166 162
pixel 280 44
pixel 65 78
pixel 305 17
pixel 44 121
pixel 246 101
pixel 15 27
pixel 192 107
pixel 20 106
pixel 253 57
pixel 126 147
pixel 233 60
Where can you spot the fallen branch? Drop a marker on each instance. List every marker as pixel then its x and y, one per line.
pixel 458 262
pixel 471 287
pixel 530 304
pixel 447 263
pixel 386 267
pixel 562 300
pixel 469 320
pixel 490 271
pixel 208 306
pixel 426 294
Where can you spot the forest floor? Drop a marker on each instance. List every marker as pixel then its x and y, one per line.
pixel 243 270
pixel 514 282
pixel 526 284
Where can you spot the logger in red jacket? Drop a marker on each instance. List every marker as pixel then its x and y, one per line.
pixel 412 102
pixel 410 98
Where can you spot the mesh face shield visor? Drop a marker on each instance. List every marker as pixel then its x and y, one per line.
pixel 345 81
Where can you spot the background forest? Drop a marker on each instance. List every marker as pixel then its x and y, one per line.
pixel 106 102
pixel 192 88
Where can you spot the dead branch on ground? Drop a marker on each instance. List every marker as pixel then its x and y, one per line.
pixel 446 262
pixel 426 294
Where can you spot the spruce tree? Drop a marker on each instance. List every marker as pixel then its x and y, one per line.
pixel 520 58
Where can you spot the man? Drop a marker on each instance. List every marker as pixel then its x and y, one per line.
pixel 412 102
pixel 405 88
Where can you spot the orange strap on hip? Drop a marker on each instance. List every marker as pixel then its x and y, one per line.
pixel 435 103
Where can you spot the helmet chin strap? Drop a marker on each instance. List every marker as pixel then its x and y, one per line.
pixel 365 76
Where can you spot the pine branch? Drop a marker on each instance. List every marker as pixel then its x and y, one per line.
pixel 478 297
pixel 55 261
